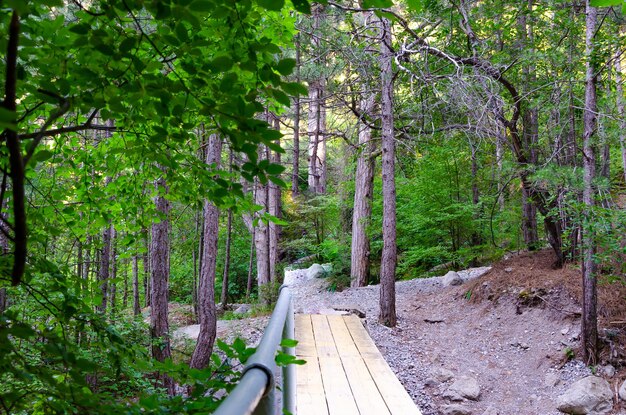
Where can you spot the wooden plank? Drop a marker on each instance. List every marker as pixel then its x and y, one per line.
pixel 364 389
pixel 336 385
pixel 396 397
pixel 310 396
pixel 304 334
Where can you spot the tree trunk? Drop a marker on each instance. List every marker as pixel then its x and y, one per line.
pixel 250 264
pixel 103 271
pixel 229 233
pixel 363 195
pixel 619 89
pixel 113 284
pixel 147 273
pixel 589 317
pixel 317 114
pixel 136 303
pixel 160 271
pixel 274 207
pixel 125 273
pixel 207 316
pixel 387 314
pixel 295 174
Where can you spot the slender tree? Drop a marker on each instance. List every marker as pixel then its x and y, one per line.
pixel 388 262
pixel 207 316
pixel 590 296
pixel 159 286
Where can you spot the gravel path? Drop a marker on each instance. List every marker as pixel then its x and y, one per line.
pixel 517 356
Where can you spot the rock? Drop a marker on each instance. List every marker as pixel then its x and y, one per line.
pixel 455 409
pixel 452 278
pixel 508 269
pixel 491 411
pixel 452 396
pixel 622 391
pixel 441 375
pixel 466 387
pixel 328 268
pixel 609 371
pixel 551 380
pixel 242 309
pixel 434 320
pixel 591 395
pixel 431 382
pixel 315 271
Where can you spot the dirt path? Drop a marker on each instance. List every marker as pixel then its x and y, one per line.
pixel 515 347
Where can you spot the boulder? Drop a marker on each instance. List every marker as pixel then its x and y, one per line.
pixel 242 309
pixel 491 411
pixel 591 395
pixel 328 268
pixel 622 391
pixel 441 375
pixel 452 278
pixel 315 271
pixel 455 409
pixel 466 387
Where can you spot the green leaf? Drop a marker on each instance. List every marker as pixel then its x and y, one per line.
pixel 294 88
pixel 202 6
pixel 415 5
pixel 302 6
pixel 42 155
pixel 81 28
pixel 7 119
pixel 222 63
pixel 288 343
pixel 376 4
pixel 285 66
pixel 275 169
pixel 274 5
pixel 606 3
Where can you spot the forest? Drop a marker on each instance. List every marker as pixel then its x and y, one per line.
pixel 188 151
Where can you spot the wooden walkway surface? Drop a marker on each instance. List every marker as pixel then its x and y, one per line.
pixel 345 374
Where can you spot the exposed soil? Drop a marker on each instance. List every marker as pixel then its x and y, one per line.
pixel 513 328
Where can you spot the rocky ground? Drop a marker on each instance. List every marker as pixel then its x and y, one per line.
pixel 503 341
pixel 515 344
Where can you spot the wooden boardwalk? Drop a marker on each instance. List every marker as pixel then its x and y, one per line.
pixel 345 374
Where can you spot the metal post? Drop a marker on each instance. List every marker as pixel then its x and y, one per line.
pixel 289 371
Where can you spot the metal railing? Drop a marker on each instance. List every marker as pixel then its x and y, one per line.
pixel 254 394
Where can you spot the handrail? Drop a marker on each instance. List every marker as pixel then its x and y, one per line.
pixel 254 394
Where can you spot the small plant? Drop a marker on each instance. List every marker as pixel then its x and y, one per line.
pixel 569 354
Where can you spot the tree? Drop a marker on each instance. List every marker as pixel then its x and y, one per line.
pixel 388 263
pixel 589 274
pixel 206 289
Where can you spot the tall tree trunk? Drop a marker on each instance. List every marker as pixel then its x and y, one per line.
pixel 147 272
pixel 317 114
pixel 295 174
pixel 619 89
pixel 136 301
pixel 125 274
pixel 363 195
pixel 387 314
pixel 229 233
pixel 250 265
pixel 200 262
pixel 113 283
pixel 530 128
pixel 207 316
pixel 160 271
pixel 590 298
pixel 274 207
pixel 4 243
pixel 104 270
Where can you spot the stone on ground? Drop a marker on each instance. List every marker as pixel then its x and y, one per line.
pixel 622 391
pixel 315 271
pixel 452 278
pixel 466 387
pixel 242 309
pixel 588 396
pixel 455 409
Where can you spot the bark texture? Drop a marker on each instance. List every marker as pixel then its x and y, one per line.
pixel 363 193
pixel 317 114
pixel 160 271
pixel 590 297
pixel 136 303
pixel 207 316
pixel 387 314
pixel 619 89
